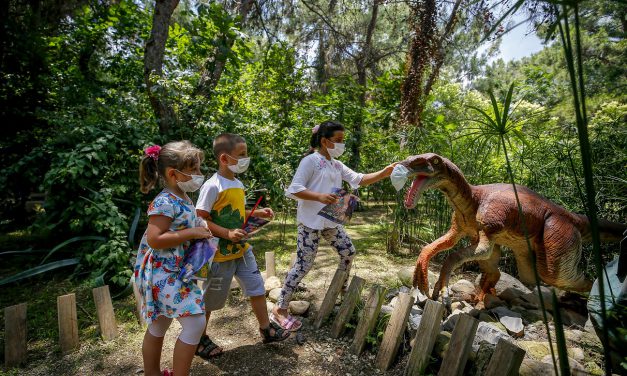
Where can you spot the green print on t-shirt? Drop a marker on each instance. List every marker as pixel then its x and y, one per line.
pixel 231 219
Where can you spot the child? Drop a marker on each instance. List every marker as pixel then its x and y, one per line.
pixel 171 227
pixel 318 174
pixel 221 202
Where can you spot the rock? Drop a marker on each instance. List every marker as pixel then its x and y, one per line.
pixel 481 357
pixel 449 323
pixel 274 294
pixel 386 309
pixel 490 333
pixel 506 281
pixel 299 307
pixel 391 294
pixel 414 321
pixel 415 310
pixel 573 335
pixel 234 284
pixel 530 367
pixel 574 365
pixel 572 318
pixel 463 287
pixel 490 301
pixel 393 302
pixel 404 289
pixel 441 343
pixel 534 299
pixel 419 297
pixel 457 306
pixel 486 317
pixel 272 283
pixel 513 296
pixel 406 276
pixel 539 349
pixel 531 315
pixel 269 306
pixel 511 320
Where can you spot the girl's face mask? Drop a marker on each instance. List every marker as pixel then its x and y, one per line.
pixel 338 149
pixel 399 176
pixel 241 166
pixel 193 184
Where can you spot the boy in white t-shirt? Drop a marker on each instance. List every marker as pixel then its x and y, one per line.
pixel 318 175
pixel 221 203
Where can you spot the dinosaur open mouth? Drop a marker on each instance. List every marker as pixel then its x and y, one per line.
pixel 412 195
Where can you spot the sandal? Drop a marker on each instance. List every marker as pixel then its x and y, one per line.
pixel 208 346
pixel 279 333
pixel 291 323
pixel 167 372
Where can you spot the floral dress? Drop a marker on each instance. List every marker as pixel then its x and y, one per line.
pixel 156 270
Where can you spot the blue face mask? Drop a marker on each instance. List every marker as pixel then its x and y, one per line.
pixel 399 176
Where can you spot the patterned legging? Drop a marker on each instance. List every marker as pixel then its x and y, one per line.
pixel 306 249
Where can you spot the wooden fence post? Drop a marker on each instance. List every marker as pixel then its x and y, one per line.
pixel 329 299
pixel 15 335
pixel 459 347
pixel 104 309
pixel 68 323
pixel 506 359
pixel 348 306
pixel 138 304
pixel 292 260
pixel 270 265
pixel 394 331
pixel 426 335
pixel 368 319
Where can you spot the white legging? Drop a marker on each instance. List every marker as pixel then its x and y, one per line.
pixel 193 328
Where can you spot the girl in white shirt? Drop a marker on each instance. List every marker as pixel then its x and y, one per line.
pixel 317 176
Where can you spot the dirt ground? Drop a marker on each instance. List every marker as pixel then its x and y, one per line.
pixel 235 328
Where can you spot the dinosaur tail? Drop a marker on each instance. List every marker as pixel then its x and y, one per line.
pixel 608 230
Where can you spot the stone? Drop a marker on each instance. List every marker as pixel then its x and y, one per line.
pixel 480 358
pixel 234 284
pixel 490 333
pixel 530 367
pixel 457 306
pixel 511 320
pixel 531 315
pixel 404 289
pixel 572 318
pixel 415 310
pixel 272 283
pixel 449 323
pixel 574 365
pixel 463 290
pixel 406 276
pixel 393 302
pixel 269 306
pixel 419 297
pixel 539 349
pixel 386 310
pixel 490 301
pixel 441 343
pixel 506 281
pixel 274 294
pixel 534 299
pixel 299 307
pixel 573 335
pixel 414 321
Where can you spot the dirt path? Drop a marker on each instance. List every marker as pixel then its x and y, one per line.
pixel 236 329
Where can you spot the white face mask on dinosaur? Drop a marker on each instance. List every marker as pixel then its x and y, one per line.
pixel 399 176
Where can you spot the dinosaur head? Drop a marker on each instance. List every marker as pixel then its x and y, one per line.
pixel 428 171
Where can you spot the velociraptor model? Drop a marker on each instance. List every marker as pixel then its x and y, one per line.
pixel 488 216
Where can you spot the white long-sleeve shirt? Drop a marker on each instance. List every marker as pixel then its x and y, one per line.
pixel 318 174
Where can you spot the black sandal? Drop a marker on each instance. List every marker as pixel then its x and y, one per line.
pixel 208 347
pixel 279 334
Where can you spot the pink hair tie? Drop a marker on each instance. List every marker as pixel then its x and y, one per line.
pixel 153 151
pixel 315 129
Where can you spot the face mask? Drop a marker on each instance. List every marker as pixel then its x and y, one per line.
pixel 241 166
pixel 399 176
pixel 191 185
pixel 338 149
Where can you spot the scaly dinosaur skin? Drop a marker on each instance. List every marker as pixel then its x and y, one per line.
pixel 488 216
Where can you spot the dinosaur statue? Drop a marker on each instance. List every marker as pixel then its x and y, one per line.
pixel 488 216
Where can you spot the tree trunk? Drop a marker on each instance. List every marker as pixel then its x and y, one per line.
pixel 153 63
pixel 214 65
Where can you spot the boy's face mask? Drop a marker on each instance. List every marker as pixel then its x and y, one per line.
pixel 399 176
pixel 241 166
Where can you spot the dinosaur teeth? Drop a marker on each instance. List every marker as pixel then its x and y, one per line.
pixel 414 191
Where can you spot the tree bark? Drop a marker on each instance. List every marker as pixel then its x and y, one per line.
pixel 153 63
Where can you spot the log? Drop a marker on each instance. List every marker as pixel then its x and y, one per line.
pixel 15 335
pixel 270 265
pixel 426 335
pixel 368 319
pixel 394 332
pixel 329 299
pixel 348 306
pixel 68 323
pixel 104 309
pixel 506 359
pixel 459 347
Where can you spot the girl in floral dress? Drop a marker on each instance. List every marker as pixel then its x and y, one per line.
pixel 172 224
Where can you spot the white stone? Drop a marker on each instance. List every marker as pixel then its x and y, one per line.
pixel 463 287
pixel 393 302
pixel 272 283
pixel 490 333
pixel 414 321
pixel 299 307
pixel 269 306
pixel 419 297
pixel 511 320
pixel 274 294
pixel 386 309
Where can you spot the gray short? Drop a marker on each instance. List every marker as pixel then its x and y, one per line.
pixel 219 280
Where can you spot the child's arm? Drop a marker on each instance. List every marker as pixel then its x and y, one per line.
pixel 262 213
pixel 159 235
pixel 374 177
pixel 234 235
pixel 325 198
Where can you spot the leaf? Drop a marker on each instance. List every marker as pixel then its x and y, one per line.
pixel 72 240
pixel 38 270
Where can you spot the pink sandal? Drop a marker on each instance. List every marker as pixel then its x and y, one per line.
pixel 290 323
pixel 167 372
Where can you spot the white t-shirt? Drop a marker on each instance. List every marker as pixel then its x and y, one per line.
pixel 318 174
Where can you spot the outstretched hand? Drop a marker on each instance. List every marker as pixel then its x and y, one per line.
pixel 263 213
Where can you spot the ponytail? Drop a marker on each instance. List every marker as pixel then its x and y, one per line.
pixel 326 129
pixel 148 174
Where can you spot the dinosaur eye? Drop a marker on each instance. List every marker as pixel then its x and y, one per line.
pixel 436 161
